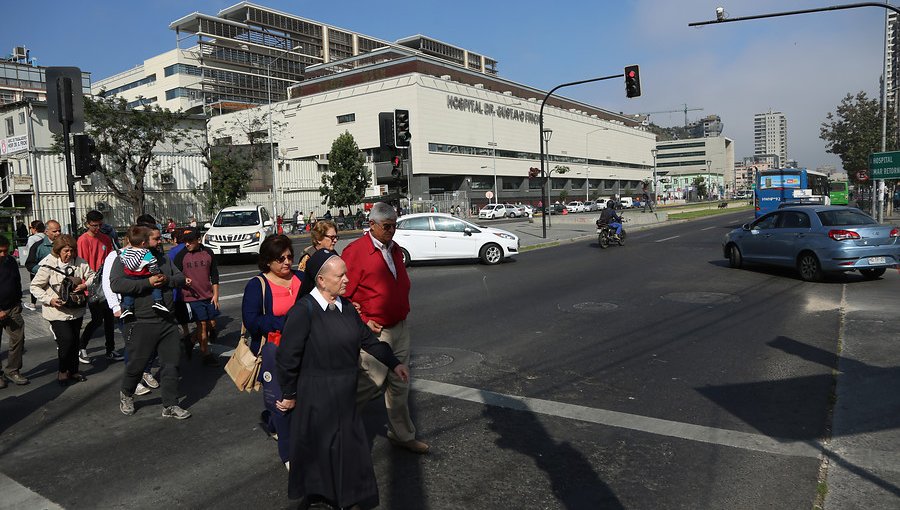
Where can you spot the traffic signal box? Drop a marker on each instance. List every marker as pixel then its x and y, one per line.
pixel 401 128
pixel 386 129
pixel 397 168
pixel 632 81
pixel 87 161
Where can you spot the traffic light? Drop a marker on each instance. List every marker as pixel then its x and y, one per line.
pixel 397 170
pixel 632 81
pixel 386 129
pixel 87 161
pixel 401 128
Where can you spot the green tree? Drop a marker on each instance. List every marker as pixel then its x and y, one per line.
pixel 125 140
pixel 347 180
pixel 700 185
pixel 853 132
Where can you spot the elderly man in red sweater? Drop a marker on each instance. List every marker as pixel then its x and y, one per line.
pixel 380 286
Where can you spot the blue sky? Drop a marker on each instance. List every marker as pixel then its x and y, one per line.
pixel 800 65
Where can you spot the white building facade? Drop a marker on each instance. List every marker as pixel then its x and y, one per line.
pixel 680 163
pixel 770 135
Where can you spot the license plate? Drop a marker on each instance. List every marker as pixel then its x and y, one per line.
pixel 877 260
pixel 227 251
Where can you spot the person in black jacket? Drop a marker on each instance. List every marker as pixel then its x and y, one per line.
pixel 610 217
pixel 11 314
pixel 151 331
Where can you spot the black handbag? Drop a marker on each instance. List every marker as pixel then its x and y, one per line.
pixel 66 293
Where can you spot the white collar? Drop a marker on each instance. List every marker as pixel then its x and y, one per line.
pixel 324 302
pixel 378 244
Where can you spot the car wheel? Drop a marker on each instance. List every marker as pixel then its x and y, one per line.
pixel 871 274
pixel 491 254
pixel 510 215
pixel 406 258
pixel 735 259
pixel 603 239
pixel 809 267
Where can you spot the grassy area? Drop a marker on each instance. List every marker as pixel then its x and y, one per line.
pixel 707 212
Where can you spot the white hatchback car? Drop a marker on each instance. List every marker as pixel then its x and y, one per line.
pixel 493 211
pixel 433 236
pixel 575 207
pixel 238 230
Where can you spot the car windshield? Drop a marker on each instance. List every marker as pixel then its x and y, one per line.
pixel 845 217
pixel 237 219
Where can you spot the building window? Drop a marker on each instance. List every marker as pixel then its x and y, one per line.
pixel 225 140
pixel 481 182
pixel 129 86
pixel 184 92
pixel 343 119
pixel 535 183
pixel 182 69
pixel 21 117
pixel 141 101
pixel 557 183
pixel 512 183
pixel 9 126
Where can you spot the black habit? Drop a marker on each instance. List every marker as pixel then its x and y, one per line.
pixel 319 360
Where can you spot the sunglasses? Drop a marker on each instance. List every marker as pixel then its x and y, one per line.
pixel 387 226
pixel 284 258
pixel 333 238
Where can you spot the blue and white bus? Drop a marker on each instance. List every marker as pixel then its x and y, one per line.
pixel 789 186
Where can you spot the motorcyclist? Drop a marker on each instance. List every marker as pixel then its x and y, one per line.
pixel 609 217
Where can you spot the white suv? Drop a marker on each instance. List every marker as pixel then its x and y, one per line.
pixel 238 230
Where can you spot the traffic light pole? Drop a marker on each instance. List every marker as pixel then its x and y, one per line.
pixel 544 176
pixel 721 18
pixel 64 89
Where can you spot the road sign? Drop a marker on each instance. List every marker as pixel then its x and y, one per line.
pixel 489 195
pixel 884 165
pixel 65 99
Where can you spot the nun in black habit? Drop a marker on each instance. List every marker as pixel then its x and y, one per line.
pixel 317 364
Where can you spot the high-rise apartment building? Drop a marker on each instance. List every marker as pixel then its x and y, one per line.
pixel 770 134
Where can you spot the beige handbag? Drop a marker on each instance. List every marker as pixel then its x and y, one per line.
pixel 243 366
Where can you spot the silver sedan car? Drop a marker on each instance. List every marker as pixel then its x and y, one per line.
pixel 816 240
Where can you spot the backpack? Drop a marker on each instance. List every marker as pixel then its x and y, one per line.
pixel 95 288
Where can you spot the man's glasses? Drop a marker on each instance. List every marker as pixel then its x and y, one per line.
pixel 94 225
pixel 284 258
pixel 387 226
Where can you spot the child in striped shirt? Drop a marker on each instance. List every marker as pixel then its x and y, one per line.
pixel 140 263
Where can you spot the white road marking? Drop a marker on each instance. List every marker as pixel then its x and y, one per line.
pixel 239 272
pixel 688 431
pixel 708 228
pixel 666 239
pixel 16 495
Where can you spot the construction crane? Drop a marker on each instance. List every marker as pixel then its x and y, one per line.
pixel 685 110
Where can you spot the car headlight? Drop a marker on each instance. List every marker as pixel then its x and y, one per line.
pixel 256 235
pixel 505 236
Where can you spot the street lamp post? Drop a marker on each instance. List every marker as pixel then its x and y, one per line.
pixel 652 199
pixel 708 183
pixel 493 145
pixel 271 140
pixel 546 134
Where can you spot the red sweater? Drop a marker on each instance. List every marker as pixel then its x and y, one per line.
pixel 381 297
pixel 94 249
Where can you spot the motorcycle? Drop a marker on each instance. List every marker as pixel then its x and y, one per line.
pixel 607 234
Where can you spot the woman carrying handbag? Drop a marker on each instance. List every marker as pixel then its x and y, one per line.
pixel 267 299
pixel 59 285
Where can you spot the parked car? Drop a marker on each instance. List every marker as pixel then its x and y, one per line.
pixel 599 205
pixel 238 230
pixel 514 211
pixel 626 202
pixel 493 211
pixel 816 239
pixel 575 206
pixel 528 210
pixel 434 236
pixel 590 206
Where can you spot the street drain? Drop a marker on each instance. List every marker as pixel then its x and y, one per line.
pixel 702 298
pixel 443 359
pixel 591 307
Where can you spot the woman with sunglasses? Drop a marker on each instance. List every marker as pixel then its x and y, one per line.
pixel 323 234
pixel 267 299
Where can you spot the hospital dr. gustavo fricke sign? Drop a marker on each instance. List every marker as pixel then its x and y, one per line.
pixel 484 108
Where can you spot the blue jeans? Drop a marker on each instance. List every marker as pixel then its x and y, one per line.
pixel 617 225
pixel 128 301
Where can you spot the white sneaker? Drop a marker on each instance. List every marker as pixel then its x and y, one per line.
pixel 29 306
pixel 141 390
pixel 83 357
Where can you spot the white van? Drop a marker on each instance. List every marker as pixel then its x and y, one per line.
pixel 627 202
pixel 239 229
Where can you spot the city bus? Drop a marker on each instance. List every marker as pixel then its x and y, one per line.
pixel 789 186
pixel 839 192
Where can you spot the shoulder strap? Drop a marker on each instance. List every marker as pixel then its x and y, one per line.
pixel 262 288
pixel 68 272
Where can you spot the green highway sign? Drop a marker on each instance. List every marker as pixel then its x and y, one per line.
pixel 884 165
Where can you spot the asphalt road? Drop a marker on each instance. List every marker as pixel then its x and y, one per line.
pixel 643 376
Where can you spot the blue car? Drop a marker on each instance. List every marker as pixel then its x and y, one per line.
pixel 816 239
